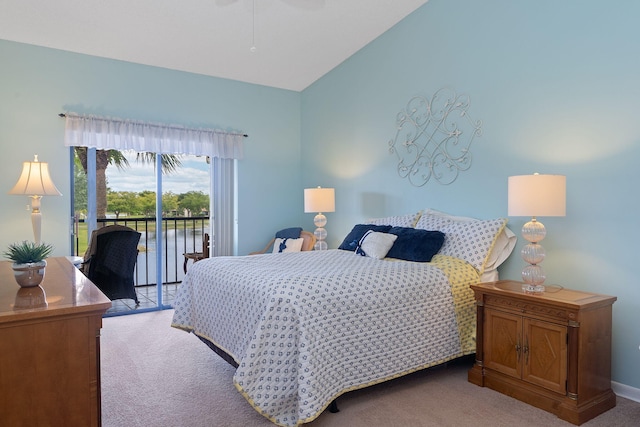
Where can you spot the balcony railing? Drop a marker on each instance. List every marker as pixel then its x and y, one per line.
pixel 180 235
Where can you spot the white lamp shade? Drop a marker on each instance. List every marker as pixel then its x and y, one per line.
pixel 35 180
pixel 537 195
pixel 319 200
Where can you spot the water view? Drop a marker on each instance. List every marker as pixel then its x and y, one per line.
pixel 176 242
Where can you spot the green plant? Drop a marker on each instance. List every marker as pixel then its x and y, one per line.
pixel 28 252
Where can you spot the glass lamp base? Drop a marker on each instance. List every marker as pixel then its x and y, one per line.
pixel 533 253
pixel 321 235
pixel 320 245
pixel 528 288
pixel 320 220
pixel 533 277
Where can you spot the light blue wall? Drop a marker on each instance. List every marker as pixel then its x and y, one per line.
pixel 38 83
pixel 556 85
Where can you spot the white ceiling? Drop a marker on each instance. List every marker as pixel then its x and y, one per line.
pixel 297 41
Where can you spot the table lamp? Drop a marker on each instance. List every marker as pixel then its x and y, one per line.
pixel 319 200
pixel 535 195
pixel 35 182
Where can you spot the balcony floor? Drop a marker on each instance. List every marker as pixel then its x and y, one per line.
pixel 148 296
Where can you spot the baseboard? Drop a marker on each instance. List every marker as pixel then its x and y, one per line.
pixel 626 391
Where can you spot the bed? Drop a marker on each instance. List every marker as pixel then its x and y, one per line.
pixel 303 328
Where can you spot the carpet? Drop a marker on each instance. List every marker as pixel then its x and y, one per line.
pixel 155 375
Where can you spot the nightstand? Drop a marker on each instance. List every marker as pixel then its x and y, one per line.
pixel 551 350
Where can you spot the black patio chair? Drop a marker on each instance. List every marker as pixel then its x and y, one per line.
pixel 110 261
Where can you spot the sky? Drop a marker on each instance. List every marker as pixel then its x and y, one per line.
pixel 192 176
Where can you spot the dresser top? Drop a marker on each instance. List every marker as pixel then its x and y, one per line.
pixel 64 290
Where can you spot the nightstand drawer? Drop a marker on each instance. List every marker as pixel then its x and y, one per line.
pixel 532 309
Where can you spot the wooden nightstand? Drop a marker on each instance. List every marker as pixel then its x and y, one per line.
pixel 552 350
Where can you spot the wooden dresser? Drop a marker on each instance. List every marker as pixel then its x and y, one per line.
pixel 50 348
pixel 552 350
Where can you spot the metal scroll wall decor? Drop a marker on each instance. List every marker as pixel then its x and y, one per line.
pixel 433 137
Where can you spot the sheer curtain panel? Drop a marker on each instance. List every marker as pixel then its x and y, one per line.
pixel 223 207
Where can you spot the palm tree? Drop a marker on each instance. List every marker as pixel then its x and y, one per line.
pixel 104 158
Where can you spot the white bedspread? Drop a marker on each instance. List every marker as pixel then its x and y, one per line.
pixel 306 327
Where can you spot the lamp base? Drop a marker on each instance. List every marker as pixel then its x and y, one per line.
pixel 533 253
pixel 533 277
pixel 320 245
pixel 320 221
pixel 320 234
pixel 36 224
pixel 528 288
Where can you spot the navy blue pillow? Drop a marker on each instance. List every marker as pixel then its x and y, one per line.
pixel 415 244
pixel 289 233
pixel 351 241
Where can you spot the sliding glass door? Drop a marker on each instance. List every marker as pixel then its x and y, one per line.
pixel 166 198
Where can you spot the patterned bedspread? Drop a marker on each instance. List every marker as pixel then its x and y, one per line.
pixel 307 327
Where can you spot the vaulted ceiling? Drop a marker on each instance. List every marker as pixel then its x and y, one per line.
pixel 286 44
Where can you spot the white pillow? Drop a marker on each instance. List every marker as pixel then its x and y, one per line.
pixel 471 241
pixel 502 248
pixel 408 220
pixel 287 245
pixel 375 244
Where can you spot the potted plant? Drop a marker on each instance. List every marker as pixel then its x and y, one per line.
pixel 28 261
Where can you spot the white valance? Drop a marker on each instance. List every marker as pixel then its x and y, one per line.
pixel 121 134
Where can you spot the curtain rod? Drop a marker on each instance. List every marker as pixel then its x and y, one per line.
pixel 63 115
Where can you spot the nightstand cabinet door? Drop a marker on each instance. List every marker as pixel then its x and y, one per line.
pixel 503 338
pixel 545 355
pixel 528 349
